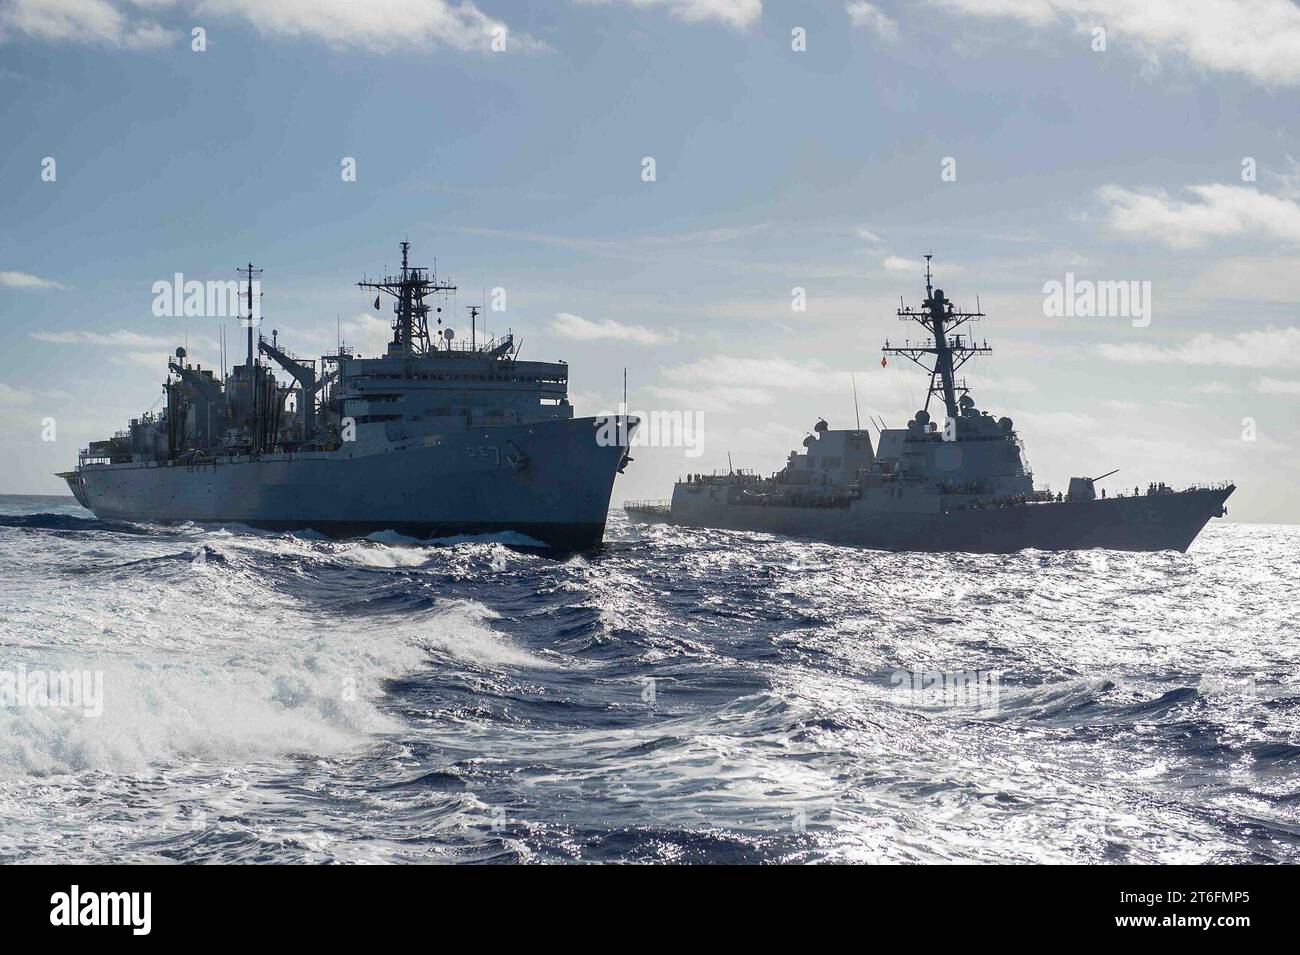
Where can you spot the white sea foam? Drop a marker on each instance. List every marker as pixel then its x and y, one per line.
pixel 315 691
pixel 468 636
pixel 303 693
pixel 508 538
pixel 210 660
pixel 726 698
pixel 383 556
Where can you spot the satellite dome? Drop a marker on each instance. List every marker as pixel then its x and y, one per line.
pixel 966 401
pixel 1006 425
pixel 180 352
pixel 923 417
pixel 821 425
pixel 809 441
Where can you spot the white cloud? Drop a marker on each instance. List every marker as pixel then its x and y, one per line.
pixel 1257 39
pixel 1254 278
pixel 738 14
pixel 26 281
pixel 1212 388
pixel 1268 348
pixel 1276 386
pixel 766 373
pixel 584 400
pixel 1289 181
pixel 722 384
pixel 581 329
pixel 771 434
pixel 378 26
pixel 10 395
pixel 787 392
pixel 824 306
pixel 80 21
pixel 1055 424
pixel 133 348
pixel 871 17
pixel 405 24
pixel 1222 211
pixel 118 338
pixel 156 360
pixel 367 335
pixel 1015 386
pixel 718 398
pixel 632 248
pixel 916 265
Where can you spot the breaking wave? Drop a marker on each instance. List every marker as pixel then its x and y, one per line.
pixel 679 695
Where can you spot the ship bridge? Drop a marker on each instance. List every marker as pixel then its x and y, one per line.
pixel 475 387
pixel 428 382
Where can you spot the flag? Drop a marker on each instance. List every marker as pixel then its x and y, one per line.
pixel 883 363
pixel 376 303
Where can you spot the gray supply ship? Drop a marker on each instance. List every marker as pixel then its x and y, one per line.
pixel 959 486
pixel 436 437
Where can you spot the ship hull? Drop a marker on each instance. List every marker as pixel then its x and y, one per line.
pixel 549 481
pixel 1145 523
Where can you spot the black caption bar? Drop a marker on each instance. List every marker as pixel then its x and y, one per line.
pixel 135 906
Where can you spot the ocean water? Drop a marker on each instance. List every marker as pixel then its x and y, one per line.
pixel 678 696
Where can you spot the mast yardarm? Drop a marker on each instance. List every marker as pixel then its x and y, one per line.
pixel 411 326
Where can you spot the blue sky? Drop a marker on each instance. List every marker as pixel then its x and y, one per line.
pixel 775 168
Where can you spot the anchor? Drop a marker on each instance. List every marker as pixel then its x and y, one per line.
pixel 517 460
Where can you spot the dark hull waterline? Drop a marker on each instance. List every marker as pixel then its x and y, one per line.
pixel 1144 523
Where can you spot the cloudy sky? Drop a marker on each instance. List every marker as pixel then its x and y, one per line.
pixel 795 145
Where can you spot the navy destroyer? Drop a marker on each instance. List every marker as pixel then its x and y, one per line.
pixel 962 485
pixel 435 437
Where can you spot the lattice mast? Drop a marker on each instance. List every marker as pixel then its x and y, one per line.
pixel 938 316
pixel 409 289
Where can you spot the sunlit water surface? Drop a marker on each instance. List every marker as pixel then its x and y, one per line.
pixel 678 696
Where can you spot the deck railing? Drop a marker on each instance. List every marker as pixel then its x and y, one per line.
pixel 654 507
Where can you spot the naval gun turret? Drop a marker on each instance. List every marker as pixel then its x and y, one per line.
pixel 1082 488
